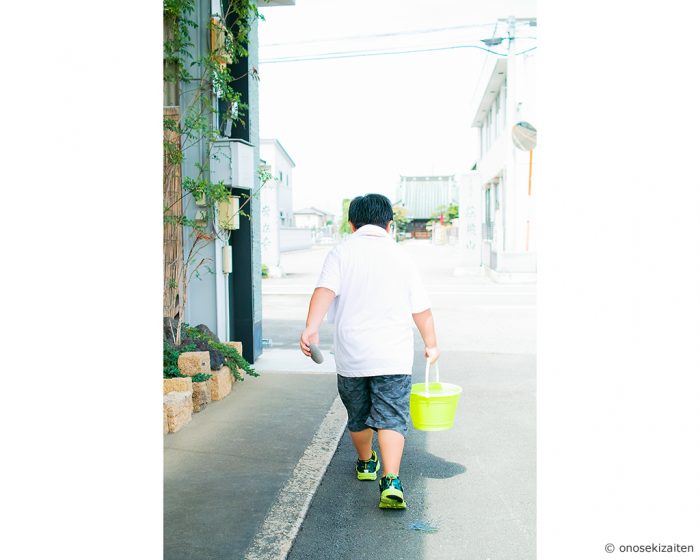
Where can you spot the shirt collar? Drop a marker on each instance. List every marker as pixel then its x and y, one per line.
pixel 371 230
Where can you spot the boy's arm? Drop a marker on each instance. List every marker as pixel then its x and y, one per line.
pixel 318 307
pixel 426 327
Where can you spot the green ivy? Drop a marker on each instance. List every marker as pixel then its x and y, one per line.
pixel 232 358
pixel 170 356
pixel 201 377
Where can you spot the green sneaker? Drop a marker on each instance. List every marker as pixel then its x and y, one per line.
pixel 391 492
pixel 367 470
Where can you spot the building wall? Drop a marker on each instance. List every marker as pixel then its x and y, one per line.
pixel 201 297
pixel 503 168
pixel 470 200
pixel 283 177
pixel 270 238
pixel 256 226
pixel 210 298
pixel 285 189
pixel 276 203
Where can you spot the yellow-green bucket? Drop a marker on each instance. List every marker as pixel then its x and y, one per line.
pixel 433 409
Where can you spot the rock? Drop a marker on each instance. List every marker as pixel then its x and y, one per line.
pixel 169 329
pixel 207 332
pixel 180 384
pixel 192 363
pixel 201 395
pixel 216 358
pixel 221 383
pixel 165 421
pixel 178 407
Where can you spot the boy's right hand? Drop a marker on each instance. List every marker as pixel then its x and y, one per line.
pixel 432 353
pixel 309 336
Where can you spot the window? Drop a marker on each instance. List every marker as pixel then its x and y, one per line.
pixel 487 230
pixel 497 110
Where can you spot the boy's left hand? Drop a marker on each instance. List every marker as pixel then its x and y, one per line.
pixel 309 336
pixel 432 353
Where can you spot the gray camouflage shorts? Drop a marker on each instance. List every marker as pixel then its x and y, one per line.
pixel 379 402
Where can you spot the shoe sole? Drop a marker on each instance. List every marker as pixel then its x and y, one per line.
pixel 389 503
pixel 368 475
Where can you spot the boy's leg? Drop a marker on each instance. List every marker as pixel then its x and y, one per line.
pixel 390 416
pixel 363 443
pixel 354 392
pixel 391 449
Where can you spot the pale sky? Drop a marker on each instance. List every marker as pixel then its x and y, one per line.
pixel 354 125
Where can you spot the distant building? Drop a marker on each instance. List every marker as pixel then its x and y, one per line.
pixel 275 202
pixel 503 171
pixel 423 196
pixel 312 218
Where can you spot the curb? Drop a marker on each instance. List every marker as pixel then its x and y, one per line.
pixel 283 521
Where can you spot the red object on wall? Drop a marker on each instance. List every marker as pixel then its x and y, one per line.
pixel 442 219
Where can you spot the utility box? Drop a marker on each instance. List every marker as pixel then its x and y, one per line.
pixel 233 162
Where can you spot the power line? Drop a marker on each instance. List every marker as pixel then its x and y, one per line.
pixel 359 54
pixel 372 35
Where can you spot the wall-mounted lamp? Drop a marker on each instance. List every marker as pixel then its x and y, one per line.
pixel 229 213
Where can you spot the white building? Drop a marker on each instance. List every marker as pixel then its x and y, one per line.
pixel 276 202
pixel 312 218
pixel 504 172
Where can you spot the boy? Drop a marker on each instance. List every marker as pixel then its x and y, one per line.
pixel 370 290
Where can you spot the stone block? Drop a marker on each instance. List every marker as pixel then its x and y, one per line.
pixel 192 363
pixel 220 383
pixel 179 384
pixel 177 406
pixel 165 421
pixel 237 345
pixel 201 395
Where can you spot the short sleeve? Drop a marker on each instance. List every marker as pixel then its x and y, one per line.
pixel 330 273
pixel 419 297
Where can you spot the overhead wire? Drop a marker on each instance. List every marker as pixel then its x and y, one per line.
pixel 359 54
pixel 372 35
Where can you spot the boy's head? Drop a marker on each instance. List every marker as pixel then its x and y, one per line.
pixel 370 209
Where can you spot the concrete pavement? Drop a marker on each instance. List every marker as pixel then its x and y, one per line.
pixel 223 472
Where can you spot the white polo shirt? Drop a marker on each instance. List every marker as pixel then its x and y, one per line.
pixel 377 288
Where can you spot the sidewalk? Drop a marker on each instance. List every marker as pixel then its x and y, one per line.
pixel 224 472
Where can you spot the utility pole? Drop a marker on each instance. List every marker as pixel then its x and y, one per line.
pixel 509 189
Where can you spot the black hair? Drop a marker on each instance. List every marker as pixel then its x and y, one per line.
pixel 374 209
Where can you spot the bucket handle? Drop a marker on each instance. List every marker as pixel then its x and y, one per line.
pixel 427 375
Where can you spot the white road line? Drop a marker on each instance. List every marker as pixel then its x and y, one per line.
pixel 283 521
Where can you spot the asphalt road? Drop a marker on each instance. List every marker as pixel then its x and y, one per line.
pixel 470 490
